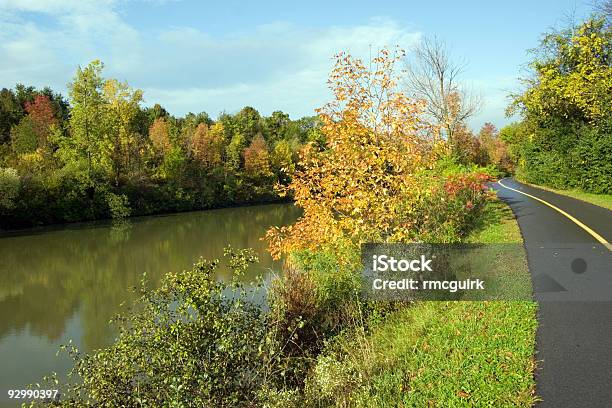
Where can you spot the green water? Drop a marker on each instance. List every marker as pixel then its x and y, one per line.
pixel 58 284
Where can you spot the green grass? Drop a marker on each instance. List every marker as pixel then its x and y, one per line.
pixel 497 226
pixel 602 200
pixel 440 354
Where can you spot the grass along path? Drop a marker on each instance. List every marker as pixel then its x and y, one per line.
pixel 441 354
pixel 602 200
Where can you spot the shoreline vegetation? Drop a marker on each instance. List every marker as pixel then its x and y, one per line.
pixel 197 341
pixel 101 155
pixel 374 166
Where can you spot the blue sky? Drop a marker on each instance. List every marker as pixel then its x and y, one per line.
pixel 272 55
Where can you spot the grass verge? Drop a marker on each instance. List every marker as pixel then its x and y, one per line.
pixel 497 226
pixel 602 200
pixel 440 354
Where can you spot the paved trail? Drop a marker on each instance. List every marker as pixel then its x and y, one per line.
pixel 572 275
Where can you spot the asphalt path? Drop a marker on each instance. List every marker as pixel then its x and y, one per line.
pixel 572 277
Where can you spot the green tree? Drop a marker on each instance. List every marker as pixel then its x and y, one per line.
pixel 23 136
pixel 234 152
pixel 566 108
pixel 10 113
pixel 283 160
pixel 277 125
pixel 89 118
pixel 248 123
pixel 123 107
pixel 9 188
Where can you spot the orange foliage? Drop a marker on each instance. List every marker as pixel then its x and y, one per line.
pixel 257 158
pixel 159 135
pixel 363 185
pixel 207 144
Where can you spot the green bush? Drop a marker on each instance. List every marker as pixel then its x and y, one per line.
pixel 118 205
pixel 569 157
pixel 193 342
pixel 592 158
pixel 9 187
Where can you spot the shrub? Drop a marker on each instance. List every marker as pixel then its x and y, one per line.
pixel 118 205
pixel 192 342
pixel 592 158
pixel 9 187
pixel 451 207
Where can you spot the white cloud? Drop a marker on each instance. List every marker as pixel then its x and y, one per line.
pixel 273 66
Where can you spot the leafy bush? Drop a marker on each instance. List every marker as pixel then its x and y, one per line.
pixel 451 208
pixel 592 157
pixel 9 187
pixel 313 301
pixel 118 205
pixel 193 342
pixel 564 140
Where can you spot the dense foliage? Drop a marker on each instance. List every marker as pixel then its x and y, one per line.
pixel 373 173
pixel 194 342
pixel 565 137
pixel 375 178
pixel 103 154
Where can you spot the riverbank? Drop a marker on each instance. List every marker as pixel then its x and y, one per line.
pixel 64 283
pixel 136 216
pixel 440 354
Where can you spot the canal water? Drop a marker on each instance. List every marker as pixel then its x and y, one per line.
pixel 65 283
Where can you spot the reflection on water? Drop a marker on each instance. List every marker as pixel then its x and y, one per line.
pixel 60 284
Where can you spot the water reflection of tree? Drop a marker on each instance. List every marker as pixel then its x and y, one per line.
pixel 45 278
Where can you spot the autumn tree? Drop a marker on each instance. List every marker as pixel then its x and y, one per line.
pixel 363 183
pixel 160 135
pixel 207 144
pixel 43 118
pixel 572 73
pixel 468 148
pixel 495 149
pixel 257 158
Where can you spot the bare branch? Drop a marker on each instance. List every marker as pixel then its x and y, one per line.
pixel 432 76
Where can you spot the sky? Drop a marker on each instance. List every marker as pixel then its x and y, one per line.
pixel 193 56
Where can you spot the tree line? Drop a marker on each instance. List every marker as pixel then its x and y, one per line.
pixel 101 153
pixel 564 137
